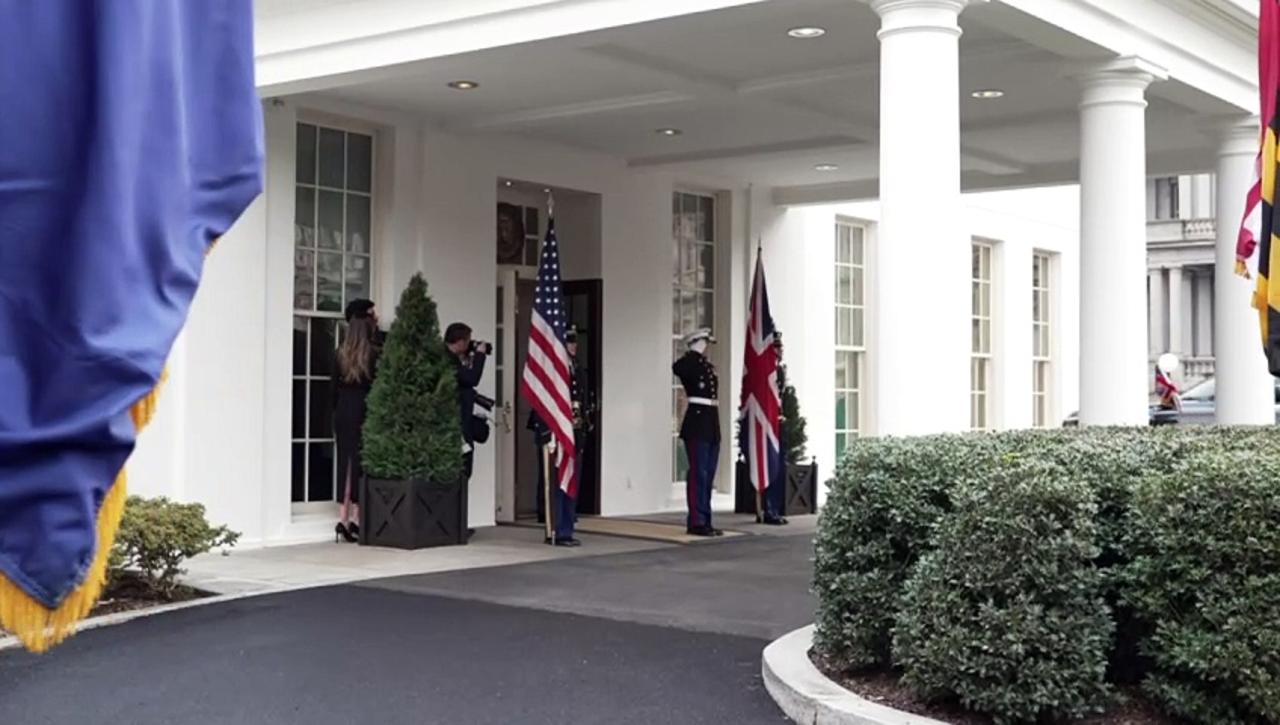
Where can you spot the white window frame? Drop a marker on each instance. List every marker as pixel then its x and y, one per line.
pixel 320 120
pixel 851 342
pixel 1043 340
pixel 683 265
pixel 982 336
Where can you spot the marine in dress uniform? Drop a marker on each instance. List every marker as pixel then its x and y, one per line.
pixel 564 509
pixel 700 429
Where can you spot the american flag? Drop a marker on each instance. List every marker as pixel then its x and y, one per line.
pixel 545 384
pixel 761 407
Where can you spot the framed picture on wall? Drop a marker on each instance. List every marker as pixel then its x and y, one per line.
pixel 510 234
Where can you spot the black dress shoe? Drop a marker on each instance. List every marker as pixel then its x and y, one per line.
pixel 773 521
pixel 701 531
pixel 570 542
pixel 717 532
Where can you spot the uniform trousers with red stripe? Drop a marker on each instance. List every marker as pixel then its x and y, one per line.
pixel 704 456
pixel 564 510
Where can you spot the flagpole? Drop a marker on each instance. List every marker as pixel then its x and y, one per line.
pixel 546 491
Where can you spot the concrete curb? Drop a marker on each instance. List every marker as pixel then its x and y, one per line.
pixel 809 697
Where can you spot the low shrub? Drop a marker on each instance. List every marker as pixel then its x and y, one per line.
pixel 1205 577
pixel 1007 612
pixel 1192 616
pixel 879 519
pixel 157 535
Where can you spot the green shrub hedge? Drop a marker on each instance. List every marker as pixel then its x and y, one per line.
pixel 1021 573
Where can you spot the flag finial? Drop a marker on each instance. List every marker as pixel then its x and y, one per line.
pixel 551 204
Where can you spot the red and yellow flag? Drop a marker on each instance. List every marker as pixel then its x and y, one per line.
pixel 1260 231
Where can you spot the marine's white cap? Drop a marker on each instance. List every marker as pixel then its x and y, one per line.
pixel 696 335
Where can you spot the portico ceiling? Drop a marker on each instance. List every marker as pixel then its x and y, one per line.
pixel 754 105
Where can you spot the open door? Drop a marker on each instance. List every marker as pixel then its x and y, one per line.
pixel 508 376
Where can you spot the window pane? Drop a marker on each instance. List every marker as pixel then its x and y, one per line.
pixel 676 315
pixel 304 279
pixel 706 265
pixel 323 348
pixel 707 212
pixel 854 406
pixel 843 254
pixel 859 289
pixel 298 487
pixel 299 409
pixel 844 285
pixel 299 346
pixel 332 158
pixel 329 290
pixel 532 227
pixel 844 326
pixel 359 162
pixel 359 234
pixel 977 262
pixel 358 274
pixel 682 461
pixel 304 217
pixel 306 155
pixel 842 370
pixel 856 335
pixel 688 312
pixel 856 246
pixel 977 336
pixel 706 310
pixel 840 445
pixel 321 413
pixel 842 412
pixel 855 370
pixel 320 485
pixel 330 233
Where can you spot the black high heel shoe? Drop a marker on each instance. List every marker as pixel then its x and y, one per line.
pixel 345 533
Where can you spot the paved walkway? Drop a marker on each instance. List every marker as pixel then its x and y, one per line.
pixel 660 634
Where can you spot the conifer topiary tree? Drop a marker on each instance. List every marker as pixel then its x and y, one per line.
pixel 794 437
pixel 412 431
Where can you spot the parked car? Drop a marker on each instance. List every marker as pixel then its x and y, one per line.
pixel 1198 407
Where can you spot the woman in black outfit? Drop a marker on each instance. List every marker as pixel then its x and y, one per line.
pixel 353 377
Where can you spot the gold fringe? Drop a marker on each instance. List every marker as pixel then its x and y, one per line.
pixel 1242 269
pixel 40 628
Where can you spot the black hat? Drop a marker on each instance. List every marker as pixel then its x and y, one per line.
pixel 571 334
pixel 358 308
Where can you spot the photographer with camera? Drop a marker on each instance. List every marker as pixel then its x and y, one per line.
pixel 468 358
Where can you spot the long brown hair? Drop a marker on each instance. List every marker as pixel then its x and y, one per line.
pixel 355 355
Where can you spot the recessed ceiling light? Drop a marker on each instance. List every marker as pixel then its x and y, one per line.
pixel 507 183
pixel 987 94
pixel 668 132
pixel 546 191
pixel 807 33
pixel 464 85
pixel 826 167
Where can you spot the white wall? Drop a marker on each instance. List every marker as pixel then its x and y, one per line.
pixel 800 251
pixel 222 434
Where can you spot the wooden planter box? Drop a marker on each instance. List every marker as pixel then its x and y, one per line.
pixel 802 490
pixel 412 514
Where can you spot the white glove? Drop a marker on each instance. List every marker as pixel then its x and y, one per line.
pixel 551 445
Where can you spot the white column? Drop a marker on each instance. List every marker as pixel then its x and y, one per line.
pixel 922 302
pixel 1204 316
pixel 1156 304
pixel 1177 312
pixel 1244 387
pixel 1113 249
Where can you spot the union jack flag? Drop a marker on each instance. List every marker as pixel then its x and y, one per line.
pixel 761 406
pixel 546 380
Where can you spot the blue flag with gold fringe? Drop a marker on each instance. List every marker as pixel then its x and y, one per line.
pixel 130 140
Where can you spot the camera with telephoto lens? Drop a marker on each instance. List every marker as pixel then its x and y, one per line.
pixel 481 348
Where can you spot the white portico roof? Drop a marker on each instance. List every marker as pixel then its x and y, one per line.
pixel 752 104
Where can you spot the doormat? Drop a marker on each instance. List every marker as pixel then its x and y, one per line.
pixel 632 529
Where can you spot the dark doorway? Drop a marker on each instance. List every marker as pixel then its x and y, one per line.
pixel 583 303
pixel 584 300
